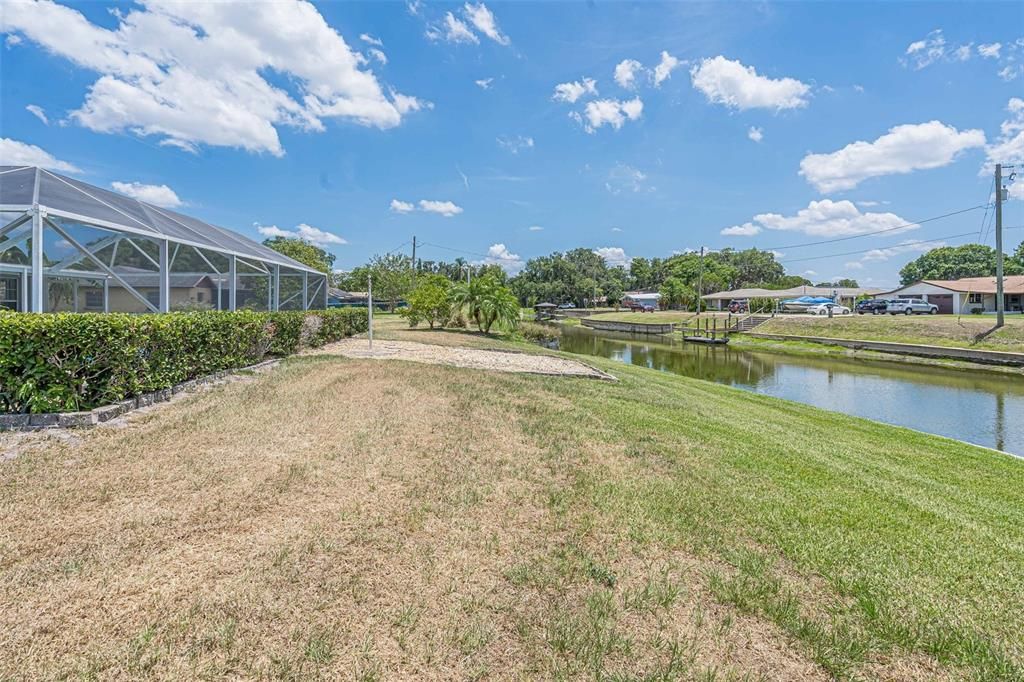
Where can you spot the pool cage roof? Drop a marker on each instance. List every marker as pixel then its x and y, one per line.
pixel 38 200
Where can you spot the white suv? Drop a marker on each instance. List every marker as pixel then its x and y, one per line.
pixel 911 306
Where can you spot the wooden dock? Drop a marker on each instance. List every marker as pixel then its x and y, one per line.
pixel 710 333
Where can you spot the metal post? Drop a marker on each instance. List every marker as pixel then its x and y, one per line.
pixel 277 288
pixel 106 293
pixel 369 300
pixel 74 293
pixel 38 286
pixel 233 283
pixel 700 281
pixel 165 277
pixel 305 290
pixel 23 294
pixel 1000 302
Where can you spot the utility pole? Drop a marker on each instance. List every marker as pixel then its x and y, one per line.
pixel 1000 303
pixel 414 268
pixel 369 301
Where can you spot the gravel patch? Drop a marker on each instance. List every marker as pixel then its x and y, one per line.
pixel 472 358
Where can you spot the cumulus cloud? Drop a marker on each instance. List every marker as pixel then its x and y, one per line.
pixel 626 71
pixel 16 153
pixel 1009 148
pixel 445 208
pixel 990 51
pixel 906 246
pixel 158 195
pixel 665 67
pixel 499 254
pixel 378 55
pixel 570 92
pixel 535 228
pixel 367 38
pixel 610 112
pixel 755 134
pixel 38 112
pixel 734 85
pixel 308 233
pixel 903 149
pixel 934 48
pixel 402 206
pixel 515 143
pixel 191 73
pixel 614 256
pixel 625 178
pixel 484 21
pixel 484 83
pixel 825 218
pixel 922 53
pixel 616 229
pixel 453 30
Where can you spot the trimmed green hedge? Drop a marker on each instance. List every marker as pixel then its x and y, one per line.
pixel 74 361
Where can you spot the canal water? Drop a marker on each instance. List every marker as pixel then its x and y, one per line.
pixel 985 408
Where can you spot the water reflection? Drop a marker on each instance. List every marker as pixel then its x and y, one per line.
pixel 978 407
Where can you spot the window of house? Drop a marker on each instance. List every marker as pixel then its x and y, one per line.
pixel 94 299
pixel 200 296
pixel 8 293
pixel 153 296
pixel 975 298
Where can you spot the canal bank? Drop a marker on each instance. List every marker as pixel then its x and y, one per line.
pixel 974 407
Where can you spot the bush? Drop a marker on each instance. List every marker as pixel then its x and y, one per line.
pixel 539 333
pixel 77 361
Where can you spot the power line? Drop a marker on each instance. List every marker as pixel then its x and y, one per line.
pixel 469 253
pixel 984 217
pixel 888 229
pixel 854 253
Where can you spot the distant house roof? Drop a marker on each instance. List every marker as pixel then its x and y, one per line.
pixel 642 294
pixel 545 305
pixel 1012 284
pixel 792 292
pixel 342 295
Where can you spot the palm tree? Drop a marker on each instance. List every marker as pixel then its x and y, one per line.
pixel 488 302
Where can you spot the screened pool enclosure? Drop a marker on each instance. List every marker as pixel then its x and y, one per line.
pixel 69 246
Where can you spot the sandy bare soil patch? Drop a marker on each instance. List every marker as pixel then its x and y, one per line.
pixel 473 358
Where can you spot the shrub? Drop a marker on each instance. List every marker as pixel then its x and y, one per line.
pixel 539 333
pixel 74 361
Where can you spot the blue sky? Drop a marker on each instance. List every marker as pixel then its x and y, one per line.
pixel 675 126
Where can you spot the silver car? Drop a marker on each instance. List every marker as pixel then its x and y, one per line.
pixel 911 306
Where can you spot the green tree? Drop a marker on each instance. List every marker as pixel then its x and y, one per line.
pixel 302 251
pixel 613 292
pixel 488 302
pixel 955 262
pixel 392 277
pixel 675 292
pixel 1018 255
pixel 842 283
pixel 429 301
pixel 789 282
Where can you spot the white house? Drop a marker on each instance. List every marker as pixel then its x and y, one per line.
pixel 965 295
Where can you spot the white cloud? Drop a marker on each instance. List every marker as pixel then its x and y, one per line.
pixel 611 112
pixel 407 103
pixel 378 55
pixel 665 67
pixel 158 195
pixel 625 73
pixel 414 7
pixel 922 53
pixel 616 229
pixel 570 92
pixel 853 265
pixel 12 40
pixel 484 83
pixel 515 144
pixel 744 230
pixel 1011 72
pixel 402 206
pixel 903 149
pixel 614 256
pixel 367 38
pixel 1009 148
pixel 990 51
pixel 755 134
pixel 825 218
pixel 38 112
pixel 498 254
pixel 535 228
pixel 191 73
pixel 445 208
pixel 734 85
pixel 313 235
pixel 484 21
pixel 454 30
pixel 810 273
pixel 15 153
pixel 626 178
pixel 908 246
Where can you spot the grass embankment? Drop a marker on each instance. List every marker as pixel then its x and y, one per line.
pixel 378 519
pixel 932 330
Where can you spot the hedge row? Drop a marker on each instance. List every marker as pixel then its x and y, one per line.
pixel 74 361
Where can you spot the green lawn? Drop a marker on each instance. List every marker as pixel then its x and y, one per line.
pixel 935 330
pixel 364 519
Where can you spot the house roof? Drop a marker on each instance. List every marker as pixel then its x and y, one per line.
pixel 793 292
pixel 1012 284
pixel 22 187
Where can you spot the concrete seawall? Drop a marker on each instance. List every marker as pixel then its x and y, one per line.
pixel 628 327
pixel 986 357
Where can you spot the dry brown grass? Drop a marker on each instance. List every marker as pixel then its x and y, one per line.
pixel 343 519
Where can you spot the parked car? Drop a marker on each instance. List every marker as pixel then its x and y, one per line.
pixel 874 306
pixel 566 306
pixel 823 308
pixel 911 306
pixel 739 305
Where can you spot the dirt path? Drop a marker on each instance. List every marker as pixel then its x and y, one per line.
pixel 473 358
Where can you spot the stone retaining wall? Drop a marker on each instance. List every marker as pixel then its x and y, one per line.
pixel 986 357
pixel 628 327
pixel 99 415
